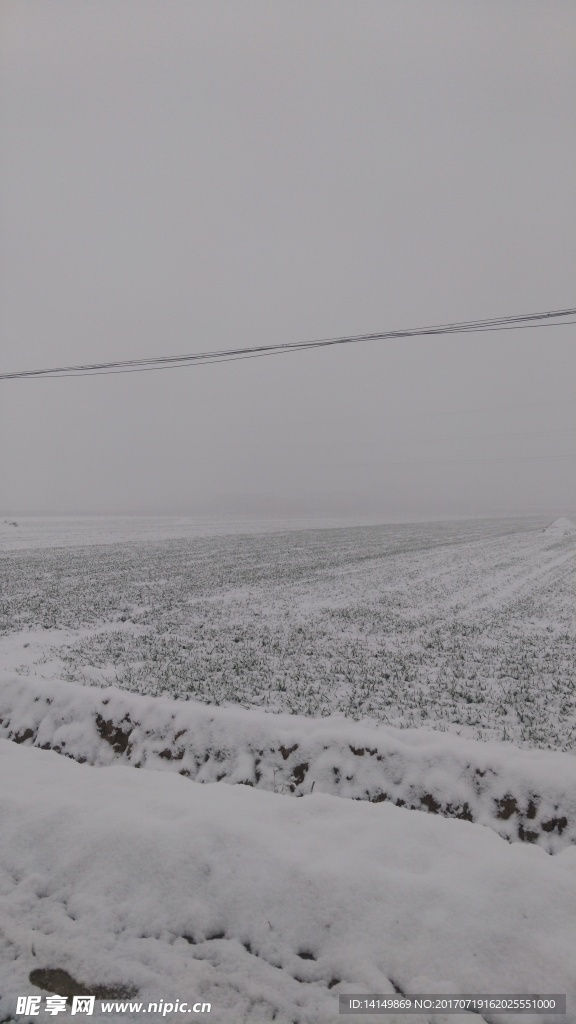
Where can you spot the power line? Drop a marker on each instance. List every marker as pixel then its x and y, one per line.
pixel 549 318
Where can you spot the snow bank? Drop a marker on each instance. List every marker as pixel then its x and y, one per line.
pixel 522 795
pixel 560 528
pixel 267 908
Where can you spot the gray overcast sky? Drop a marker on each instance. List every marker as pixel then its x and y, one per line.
pixel 183 176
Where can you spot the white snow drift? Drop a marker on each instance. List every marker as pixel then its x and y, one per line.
pixel 560 528
pixel 264 906
pixel 523 795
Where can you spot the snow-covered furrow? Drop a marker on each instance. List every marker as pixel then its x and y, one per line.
pixel 522 795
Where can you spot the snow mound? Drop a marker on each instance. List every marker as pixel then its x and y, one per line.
pixel 267 908
pixel 522 795
pixel 560 528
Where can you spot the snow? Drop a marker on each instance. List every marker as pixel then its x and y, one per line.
pixel 461 627
pixel 18 533
pixel 522 795
pixel 560 528
pixel 124 878
pixel 165 854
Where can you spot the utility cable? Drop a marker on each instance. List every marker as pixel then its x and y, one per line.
pixel 548 318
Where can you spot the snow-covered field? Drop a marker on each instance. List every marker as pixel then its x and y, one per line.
pixel 438 657
pixel 20 532
pixel 467 627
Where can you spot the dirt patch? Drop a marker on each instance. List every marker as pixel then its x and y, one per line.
pixel 59 982
pixel 299 773
pixel 113 734
pixel 430 803
pixel 555 824
pixel 21 737
pixel 286 751
pixel 507 806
